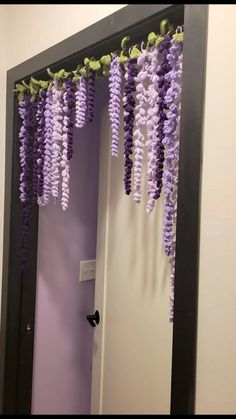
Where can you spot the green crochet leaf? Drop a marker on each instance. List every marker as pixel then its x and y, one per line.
pixel 94 65
pixel 105 60
pixel 124 42
pixel 86 61
pixel 135 53
pixel 152 38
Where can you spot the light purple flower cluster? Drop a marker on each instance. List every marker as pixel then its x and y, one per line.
pixel 114 103
pixel 171 142
pixel 57 118
pixel 48 147
pixel 140 121
pixel 67 141
pixel 80 103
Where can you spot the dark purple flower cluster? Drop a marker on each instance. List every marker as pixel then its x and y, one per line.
pixel 69 112
pixel 163 86
pixel 90 96
pixel 129 106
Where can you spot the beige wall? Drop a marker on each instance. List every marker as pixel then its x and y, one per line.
pixel 216 358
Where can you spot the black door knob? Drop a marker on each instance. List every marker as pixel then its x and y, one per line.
pixel 93 319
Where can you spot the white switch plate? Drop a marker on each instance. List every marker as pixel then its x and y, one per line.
pixel 87 270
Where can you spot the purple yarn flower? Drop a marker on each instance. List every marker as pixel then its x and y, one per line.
pixel 90 96
pixel 69 103
pixel 40 137
pixel 171 142
pixel 114 103
pixel 80 103
pixel 129 105
pixel 140 120
pixel 48 147
pixel 67 140
pixel 152 122
pixel 27 115
pixel 163 85
pixel 57 117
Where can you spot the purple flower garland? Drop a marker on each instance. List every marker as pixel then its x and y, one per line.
pixel 27 115
pixel 114 103
pixel 140 121
pixel 40 135
pixel 57 118
pixel 171 142
pixel 80 103
pixel 90 96
pixel 129 105
pixel 67 140
pixel 163 85
pixel 152 122
pixel 48 147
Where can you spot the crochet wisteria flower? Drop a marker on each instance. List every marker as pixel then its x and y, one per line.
pixel 40 136
pixel 114 103
pixel 67 140
pixel 140 122
pixel 152 122
pixel 57 117
pixel 163 85
pixel 129 105
pixel 171 142
pixel 48 147
pixel 27 115
pixel 90 96
pixel 80 103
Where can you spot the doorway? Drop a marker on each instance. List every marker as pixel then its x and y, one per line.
pixel 18 297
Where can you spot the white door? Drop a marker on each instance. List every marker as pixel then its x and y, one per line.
pixel 133 343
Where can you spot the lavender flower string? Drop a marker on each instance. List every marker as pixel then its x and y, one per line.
pixel 152 123
pixel 80 103
pixel 171 142
pixel 69 101
pixel 140 120
pixel 57 117
pixel 114 103
pixel 67 140
pixel 27 115
pixel 129 105
pixel 40 135
pixel 163 85
pixel 90 96
pixel 48 147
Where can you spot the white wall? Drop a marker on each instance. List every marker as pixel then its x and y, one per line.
pixel 216 360
pixel 216 356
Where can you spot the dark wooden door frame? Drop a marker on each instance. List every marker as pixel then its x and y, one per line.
pixel 18 291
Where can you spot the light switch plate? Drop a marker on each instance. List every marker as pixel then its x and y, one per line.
pixel 87 270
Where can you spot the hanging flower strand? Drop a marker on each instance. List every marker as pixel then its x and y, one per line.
pixel 67 140
pixel 114 103
pixel 57 117
pixel 163 86
pixel 80 103
pixel 152 122
pixel 40 118
pixel 171 142
pixel 25 136
pixel 48 147
pixel 140 120
pixel 129 105
pixel 90 96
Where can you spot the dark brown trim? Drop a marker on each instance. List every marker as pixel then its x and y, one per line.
pixel 18 292
pixel 188 218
